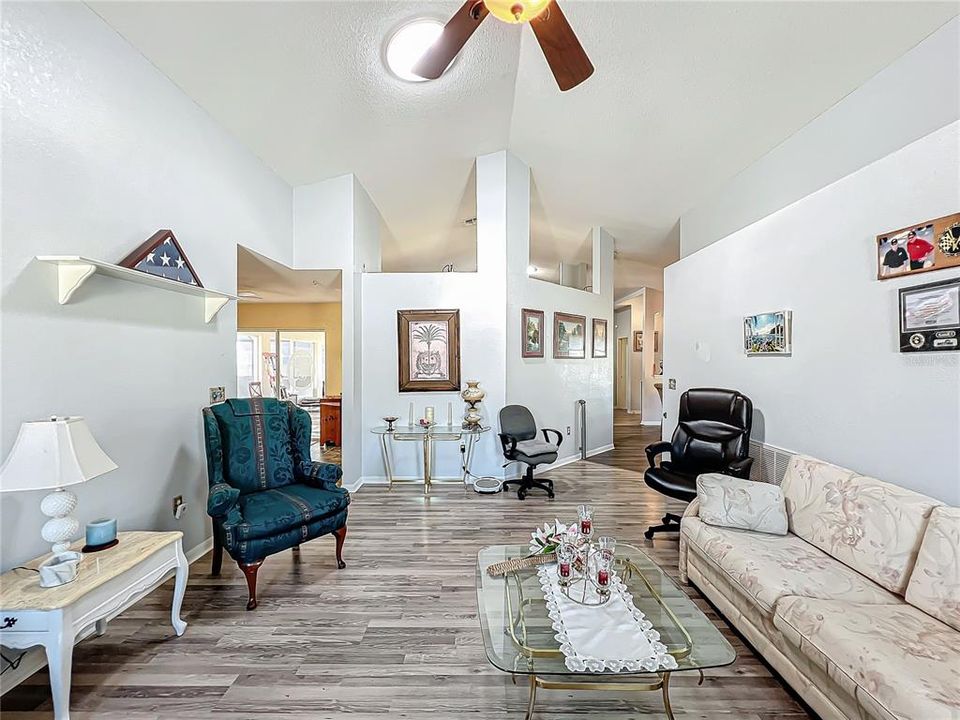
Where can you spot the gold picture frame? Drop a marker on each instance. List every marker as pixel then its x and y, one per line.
pixel 429 350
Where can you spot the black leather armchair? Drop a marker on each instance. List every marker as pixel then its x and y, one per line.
pixel 712 435
pixel 518 438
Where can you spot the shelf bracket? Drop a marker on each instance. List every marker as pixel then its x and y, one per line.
pixel 211 306
pixel 70 277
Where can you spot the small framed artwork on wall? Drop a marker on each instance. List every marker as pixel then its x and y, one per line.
pixel 532 339
pixel 569 336
pixel 928 245
pixel 599 346
pixel 429 350
pixel 768 333
pixel 930 317
pixel 638 340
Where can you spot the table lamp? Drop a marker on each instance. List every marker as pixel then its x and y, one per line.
pixel 53 454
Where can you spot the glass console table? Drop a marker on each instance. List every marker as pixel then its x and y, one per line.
pixel 427 436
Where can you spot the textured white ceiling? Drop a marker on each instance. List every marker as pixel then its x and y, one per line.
pixel 685 95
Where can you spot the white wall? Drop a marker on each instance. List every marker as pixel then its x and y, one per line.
pixel 337 226
pixel 481 299
pixel 550 387
pixel 913 96
pixel 847 394
pixel 99 151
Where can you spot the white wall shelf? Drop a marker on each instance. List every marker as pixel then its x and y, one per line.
pixel 74 270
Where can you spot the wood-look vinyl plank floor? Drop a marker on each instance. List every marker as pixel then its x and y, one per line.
pixel 395 634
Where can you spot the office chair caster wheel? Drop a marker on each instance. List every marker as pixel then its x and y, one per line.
pixel 550 494
pixel 648 534
pixel 522 494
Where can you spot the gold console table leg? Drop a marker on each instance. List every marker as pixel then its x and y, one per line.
pixel 427 457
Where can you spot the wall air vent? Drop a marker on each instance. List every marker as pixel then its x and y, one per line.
pixel 769 462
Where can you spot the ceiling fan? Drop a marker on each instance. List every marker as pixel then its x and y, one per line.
pixel 565 55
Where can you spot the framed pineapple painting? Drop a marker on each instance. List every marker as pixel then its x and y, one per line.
pixel 429 345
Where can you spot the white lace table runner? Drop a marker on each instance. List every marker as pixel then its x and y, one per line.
pixel 614 636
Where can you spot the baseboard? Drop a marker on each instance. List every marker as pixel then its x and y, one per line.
pixel 401 480
pixel 599 450
pixel 199 550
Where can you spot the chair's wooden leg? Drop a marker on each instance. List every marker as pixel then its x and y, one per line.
pixel 341 534
pixel 250 570
pixel 217 552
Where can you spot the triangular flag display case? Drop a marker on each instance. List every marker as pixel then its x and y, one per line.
pixel 74 270
pixel 161 255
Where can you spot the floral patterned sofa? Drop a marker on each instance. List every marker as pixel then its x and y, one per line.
pixel 857 607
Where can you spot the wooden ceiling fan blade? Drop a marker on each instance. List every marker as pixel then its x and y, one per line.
pixel 451 41
pixel 565 55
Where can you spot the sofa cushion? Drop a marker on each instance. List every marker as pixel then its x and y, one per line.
pixel 935 583
pixel 872 526
pixel 768 567
pixel 900 662
pixel 738 503
pixel 274 511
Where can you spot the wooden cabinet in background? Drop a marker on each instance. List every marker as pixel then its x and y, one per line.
pixel 330 421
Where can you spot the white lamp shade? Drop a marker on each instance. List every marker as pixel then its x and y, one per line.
pixel 53 453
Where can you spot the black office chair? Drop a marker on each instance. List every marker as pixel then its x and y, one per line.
pixel 518 437
pixel 712 435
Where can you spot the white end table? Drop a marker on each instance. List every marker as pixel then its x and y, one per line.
pixel 108 583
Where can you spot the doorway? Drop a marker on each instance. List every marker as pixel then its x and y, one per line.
pixel 621 378
pixel 289 343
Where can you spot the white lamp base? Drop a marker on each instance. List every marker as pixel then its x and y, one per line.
pixel 61 529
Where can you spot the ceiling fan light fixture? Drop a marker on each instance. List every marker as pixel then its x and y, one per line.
pixel 408 44
pixel 516 11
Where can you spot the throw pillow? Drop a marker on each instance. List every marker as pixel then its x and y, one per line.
pixel 743 504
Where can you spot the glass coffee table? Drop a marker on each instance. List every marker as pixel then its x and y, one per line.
pixel 519 638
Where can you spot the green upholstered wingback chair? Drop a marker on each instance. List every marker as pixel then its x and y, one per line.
pixel 266 495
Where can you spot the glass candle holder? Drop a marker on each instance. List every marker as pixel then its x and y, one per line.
pixel 603 574
pixel 608 546
pixel 585 513
pixel 565 556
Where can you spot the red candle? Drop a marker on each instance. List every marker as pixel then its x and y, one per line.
pixel 603 577
pixel 585 526
pixel 564 569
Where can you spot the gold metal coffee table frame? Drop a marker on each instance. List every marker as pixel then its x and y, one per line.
pixel 517 607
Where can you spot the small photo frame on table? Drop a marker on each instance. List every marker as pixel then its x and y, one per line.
pixel 429 350
pixel 532 333
pixel 599 345
pixel 569 336
pixel 925 246
pixel 638 340
pixel 930 317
